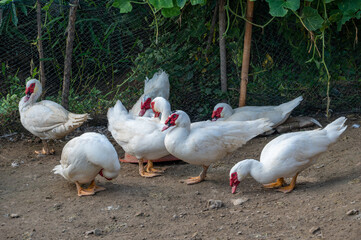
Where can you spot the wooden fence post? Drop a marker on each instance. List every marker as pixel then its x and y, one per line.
pixel 68 53
pixel 40 48
pixel 222 46
pixel 246 54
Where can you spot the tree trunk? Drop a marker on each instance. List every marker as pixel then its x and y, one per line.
pixel 68 53
pixel 211 30
pixel 222 46
pixel 246 54
pixel 40 48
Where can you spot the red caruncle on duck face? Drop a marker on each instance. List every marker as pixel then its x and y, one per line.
pixel 217 114
pixel 29 90
pixel 233 182
pixel 101 174
pixel 144 106
pixel 156 114
pixel 170 121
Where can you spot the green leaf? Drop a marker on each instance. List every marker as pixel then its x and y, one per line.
pixel 201 2
pixel 311 18
pixel 159 4
pixel 23 9
pixel 4 2
pixel 123 5
pixel 328 1
pixel 279 8
pixel 13 14
pixel 348 9
pixel 181 3
pixel 171 12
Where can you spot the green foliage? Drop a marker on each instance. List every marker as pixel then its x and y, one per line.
pixel 11 11
pixel 312 19
pixel 279 8
pixel 168 8
pixel 92 101
pixel 314 15
pixel 123 5
pixel 9 101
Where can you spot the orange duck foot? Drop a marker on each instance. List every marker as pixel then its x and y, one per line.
pixel 150 169
pixel 45 152
pixel 143 173
pixel 289 188
pixel 193 180
pixel 279 183
pixel 286 189
pixel 91 190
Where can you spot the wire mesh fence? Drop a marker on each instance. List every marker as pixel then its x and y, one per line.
pixel 113 53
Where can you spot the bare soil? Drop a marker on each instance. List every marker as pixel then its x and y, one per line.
pixel 36 204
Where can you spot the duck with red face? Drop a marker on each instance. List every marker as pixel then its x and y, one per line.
pixel 286 156
pixel 203 143
pixel 145 105
pixel 217 114
pixel 138 136
pixel 161 108
pixel 46 119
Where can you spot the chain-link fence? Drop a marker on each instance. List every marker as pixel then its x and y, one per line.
pixel 113 53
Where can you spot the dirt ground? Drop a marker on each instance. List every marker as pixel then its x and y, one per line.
pixel 36 204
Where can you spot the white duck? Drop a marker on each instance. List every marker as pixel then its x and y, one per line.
pixel 138 136
pixel 203 144
pixel 86 156
pixel 157 86
pixel 286 156
pixel 46 119
pixel 161 108
pixel 276 114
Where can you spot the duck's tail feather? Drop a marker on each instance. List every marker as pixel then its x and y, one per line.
pixel 336 128
pixel 286 108
pixel 58 169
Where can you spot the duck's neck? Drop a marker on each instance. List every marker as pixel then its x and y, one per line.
pixel 27 102
pixel 165 114
pixel 228 111
pixel 257 171
pixel 176 138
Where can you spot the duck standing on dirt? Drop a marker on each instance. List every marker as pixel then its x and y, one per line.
pixel 286 156
pixel 207 142
pixel 86 156
pixel 138 136
pixel 46 119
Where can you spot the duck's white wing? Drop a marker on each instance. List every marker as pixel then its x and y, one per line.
pixel 228 135
pixel 292 152
pixel 47 119
pixel 45 116
pixel 276 114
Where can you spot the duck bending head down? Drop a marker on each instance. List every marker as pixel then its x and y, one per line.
pixel 203 143
pixel 286 156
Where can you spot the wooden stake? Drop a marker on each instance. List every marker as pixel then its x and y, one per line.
pixel 222 45
pixel 40 47
pixel 68 53
pixel 246 54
